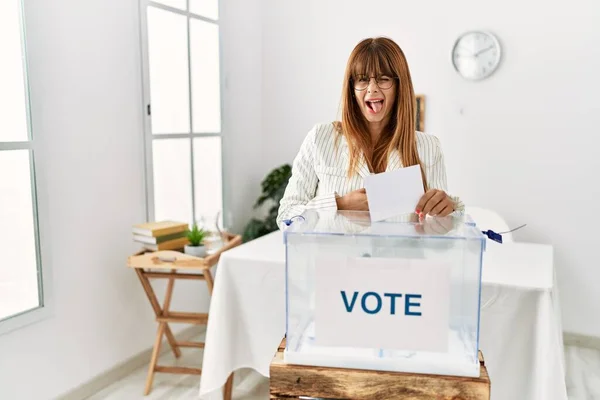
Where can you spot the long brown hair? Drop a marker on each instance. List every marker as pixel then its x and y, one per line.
pixel 373 57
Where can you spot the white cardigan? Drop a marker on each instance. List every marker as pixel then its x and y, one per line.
pixel 319 171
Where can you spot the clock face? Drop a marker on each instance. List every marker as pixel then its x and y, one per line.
pixel 476 55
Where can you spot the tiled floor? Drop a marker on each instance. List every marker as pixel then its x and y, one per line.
pixel 583 380
pixel 249 385
pixel 583 373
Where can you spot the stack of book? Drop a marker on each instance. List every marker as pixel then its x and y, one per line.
pixel 161 235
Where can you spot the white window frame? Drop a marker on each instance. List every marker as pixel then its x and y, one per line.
pixel 44 309
pixel 149 137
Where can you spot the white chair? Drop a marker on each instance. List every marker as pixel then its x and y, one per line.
pixel 488 219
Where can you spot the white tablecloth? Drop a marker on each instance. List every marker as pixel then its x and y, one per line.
pixel 520 330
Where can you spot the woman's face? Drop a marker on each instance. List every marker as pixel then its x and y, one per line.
pixel 375 96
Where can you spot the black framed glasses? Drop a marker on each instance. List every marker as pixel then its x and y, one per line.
pixel 361 82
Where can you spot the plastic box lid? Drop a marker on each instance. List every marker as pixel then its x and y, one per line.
pixel 358 223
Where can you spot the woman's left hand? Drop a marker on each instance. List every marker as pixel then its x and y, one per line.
pixel 436 203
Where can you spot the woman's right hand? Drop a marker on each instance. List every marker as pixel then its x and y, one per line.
pixel 354 201
pixel 435 225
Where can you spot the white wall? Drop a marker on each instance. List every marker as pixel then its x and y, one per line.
pixel 86 93
pixel 241 50
pixel 522 142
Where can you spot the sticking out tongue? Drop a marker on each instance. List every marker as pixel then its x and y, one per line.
pixel 376 105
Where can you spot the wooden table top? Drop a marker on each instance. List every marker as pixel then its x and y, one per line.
pixel 171 259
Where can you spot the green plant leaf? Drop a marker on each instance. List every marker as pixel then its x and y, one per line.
pixel 254 229
pixel 274 184
pixel 273 187
pixel 196 235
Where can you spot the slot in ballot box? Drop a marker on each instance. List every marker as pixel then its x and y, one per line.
pixel 396 295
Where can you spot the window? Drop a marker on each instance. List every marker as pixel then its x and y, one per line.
pixel 182 96
pixel 20 267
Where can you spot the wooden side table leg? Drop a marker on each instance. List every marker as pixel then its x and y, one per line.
pixel 154 359
pixel 157 309
pixel 228 388
pixel 210 282
pixel 172 341
pixel 165 312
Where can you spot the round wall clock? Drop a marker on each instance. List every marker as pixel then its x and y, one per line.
pixel 476 54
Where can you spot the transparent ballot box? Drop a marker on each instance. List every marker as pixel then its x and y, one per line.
pixel 396 295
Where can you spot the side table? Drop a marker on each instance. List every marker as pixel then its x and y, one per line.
pixel 173 265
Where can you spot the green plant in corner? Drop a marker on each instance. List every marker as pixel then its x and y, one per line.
pixel 273 188
pixel 196 235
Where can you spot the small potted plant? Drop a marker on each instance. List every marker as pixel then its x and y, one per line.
pixel 196 246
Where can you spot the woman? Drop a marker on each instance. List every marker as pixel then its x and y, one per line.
pixel 376 134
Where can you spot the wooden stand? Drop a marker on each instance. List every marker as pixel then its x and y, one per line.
pixel 289 381
pixel 173 265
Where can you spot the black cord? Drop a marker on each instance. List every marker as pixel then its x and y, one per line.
pixel 512 230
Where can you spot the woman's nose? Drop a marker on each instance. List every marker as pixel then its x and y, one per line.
pixel 372 85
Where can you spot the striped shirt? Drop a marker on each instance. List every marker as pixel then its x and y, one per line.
pixel 319 171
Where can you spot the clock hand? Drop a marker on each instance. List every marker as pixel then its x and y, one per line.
pixel 484 50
